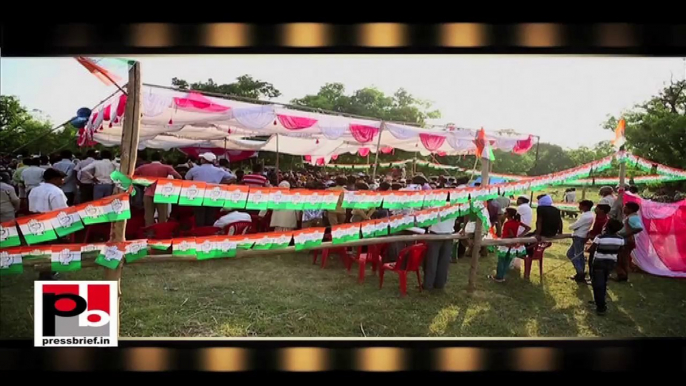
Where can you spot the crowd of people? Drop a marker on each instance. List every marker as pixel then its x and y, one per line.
pixel 42 184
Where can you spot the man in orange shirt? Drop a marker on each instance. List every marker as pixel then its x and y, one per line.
pixel 155 169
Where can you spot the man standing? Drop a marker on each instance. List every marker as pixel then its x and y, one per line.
pixel 66 166
pixel 525 213
pixel 158 170
pixel 632 226
pixel 256 178
pixel 32 176
pixel 85 180
pixel 580 229
pixel 48 196
pixel 438 256
pixel 100 172
pixel 504 203
pixel 207 172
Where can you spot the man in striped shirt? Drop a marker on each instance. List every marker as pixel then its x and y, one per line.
pixel 604 251
pixel 256 178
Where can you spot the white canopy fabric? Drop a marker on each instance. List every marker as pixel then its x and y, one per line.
pixel 178 119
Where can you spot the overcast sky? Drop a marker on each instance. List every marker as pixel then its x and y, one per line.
pixel 563 99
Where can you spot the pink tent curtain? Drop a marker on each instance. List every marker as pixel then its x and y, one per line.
pixel 362 133
pixel 295 123
pixel 661 247
pixel 387 150
pixel 432 142
pixel 199 103
pixel 363 151
pixel 523 146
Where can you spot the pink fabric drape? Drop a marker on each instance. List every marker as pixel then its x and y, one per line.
pixel 199 103
pixel 362 133
pixel 523 146
pixel 121 108
pixel 432 142
pixel 386 150
pixel 295 123
pixel 106 112
pixel 661 247
pixel 334 157
pixel 363 151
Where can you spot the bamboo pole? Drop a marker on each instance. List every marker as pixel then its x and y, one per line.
pixel 378 149
pixel 129 151
pixel 476 247
pixel 277 158
pixel 45 264
pixel 622 182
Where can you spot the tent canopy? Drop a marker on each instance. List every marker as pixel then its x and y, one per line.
pixel 180 119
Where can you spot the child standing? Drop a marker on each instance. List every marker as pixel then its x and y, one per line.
pixel 604 251
pixel 506 253
pixel 580 227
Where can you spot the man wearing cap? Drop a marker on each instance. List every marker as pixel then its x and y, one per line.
pixel 207 172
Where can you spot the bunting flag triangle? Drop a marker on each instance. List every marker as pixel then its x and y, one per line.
pixel 37 229
pixel 66 257
pixel 11 262
pixel 167 191
pixel 9 236
pixel 111 256
pixel 105 76
pixel 67 221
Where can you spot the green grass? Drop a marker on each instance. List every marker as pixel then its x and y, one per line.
pixel 287 296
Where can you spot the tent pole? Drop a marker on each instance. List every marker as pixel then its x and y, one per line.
pixel 538 142
pixel 622 182
pixel 277 158
pixel 476 246
pixel 376 156
pixel 129 151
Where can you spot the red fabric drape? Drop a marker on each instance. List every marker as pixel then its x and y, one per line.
pixel 362 133
pixel 386 150
pixel 295 123
pixel 363 151
pixel 524 145
pixel 432 142
pixel 197 102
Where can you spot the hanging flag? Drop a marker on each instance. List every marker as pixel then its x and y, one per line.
pixel 143 181
pixel 279 199
pixel 67 221
pixel 9 235
pixel 368 228
pixel 236 196
pixel 329 199
pixel 192 193
pixel 619 139
pixel 36 252
pixel 427 217
pixel 281 240
pixel 206 248
pixel 345 232
pixel 263 241
pixel 66 257
pixel 484 148
pixel 105 76
pixel 11 262
pixel 258 198
pixel 215 195
pixel 184 246
pixel 381 228
pixel 108 209
pixel 312 199
pixel 308 238
pixel 416 199
pixel 225 246
pixel 246 241
pixel 37 229
pixel 160 245
pixel 135 250
pixel 167 191
pixel 111 256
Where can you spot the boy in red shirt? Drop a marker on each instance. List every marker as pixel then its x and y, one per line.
pixel 601 217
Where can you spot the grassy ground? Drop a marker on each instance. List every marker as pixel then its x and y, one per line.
pixel 288 296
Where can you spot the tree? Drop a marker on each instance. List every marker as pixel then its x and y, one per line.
pixel 656 129
pixel 245 86
pixel 370 102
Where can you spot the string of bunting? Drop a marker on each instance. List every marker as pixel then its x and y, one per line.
pixel 68 257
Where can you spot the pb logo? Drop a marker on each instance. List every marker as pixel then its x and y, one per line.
pixel 76 313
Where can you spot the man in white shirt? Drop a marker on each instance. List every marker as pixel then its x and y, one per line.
pixel 232 217
pixel 85 180
pixel 437 260
pixel 525 213
pixel 66 166
pixel 48 196
pixel 100 172
pixel 32 176
pixel 606 196
pixel 580 229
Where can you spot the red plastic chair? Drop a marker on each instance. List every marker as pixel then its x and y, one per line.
pixel 539 249
pixel 133 225
pixel 325 253
pixel 414 255
pixel 202 232
pixel 97 232
pixel 373 255
pixel 239 228
pixel 159 231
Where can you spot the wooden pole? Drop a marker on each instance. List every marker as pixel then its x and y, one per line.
pixel 476 247
pixel 129 150
pixel 376 156
pixel 622 182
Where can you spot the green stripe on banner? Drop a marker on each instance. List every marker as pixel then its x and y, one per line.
pixel 59 267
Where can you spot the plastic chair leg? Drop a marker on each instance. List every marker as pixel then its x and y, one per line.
pixel 315 254
pixel 325 256
pixel 363 265
pixel 403 282
pixel 527 267
pixel 381 273
pixel 419 280
pixel 540 268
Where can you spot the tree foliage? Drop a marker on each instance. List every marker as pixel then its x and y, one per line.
pixel 244 86
pixel 656 129
pixel 18 127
